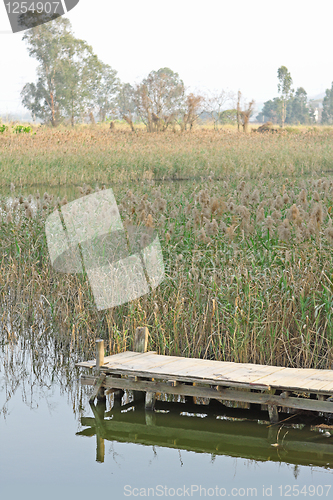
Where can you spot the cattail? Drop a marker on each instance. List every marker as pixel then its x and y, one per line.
pixel 316 196
pixel 230 232
pixel 255 196
pixel 293 212
pixel 203 197
pixel 312 226
pixel 241 186
pixel 278 203
pixel 329 232
pixel 277 214
pixel 223 227
pixel 318 213
pixel 28 212
pixel 260 215
pixel 231 206
pixel 212 228
pixel 149 221
pixel 214 205
pixel 285 198
pixel 196 216
pixel 202 235
pixel 302 198
pixel 206 212
pixel 269 224
pixel 21 200
pixel 243 212
pixel 245 197
pixel 284 230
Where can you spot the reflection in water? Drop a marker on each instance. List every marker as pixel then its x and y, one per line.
pixel 34 364
pixel 212 429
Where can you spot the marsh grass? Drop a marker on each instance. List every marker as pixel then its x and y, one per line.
pixel 69 157
pixel 249 274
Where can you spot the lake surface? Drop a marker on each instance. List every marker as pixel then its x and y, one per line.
pixel 54 444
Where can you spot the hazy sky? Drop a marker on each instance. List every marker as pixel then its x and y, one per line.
pixel 212 44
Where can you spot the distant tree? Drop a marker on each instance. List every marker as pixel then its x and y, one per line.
pixel 80 77
pixel 327 114
pixel 284 89
pixel 158 99
pixel 192 108
pixel 105 93
pixel 298 111
pixel 214 104
pixel 68 73
pixel 125 103
pixel 228 116
pixel 271 111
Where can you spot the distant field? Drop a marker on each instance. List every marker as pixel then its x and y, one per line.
pixel 247 240
pixel 95 154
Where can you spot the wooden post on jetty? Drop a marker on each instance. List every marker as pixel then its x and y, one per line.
pixel 141 345
pixel 99 390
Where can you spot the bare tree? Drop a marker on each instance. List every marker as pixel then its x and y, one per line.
pixel 214 104
pixel 193 107
pixel 245 116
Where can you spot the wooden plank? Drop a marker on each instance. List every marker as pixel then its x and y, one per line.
pixel 114 357
pixel 217 372
pixel 222 394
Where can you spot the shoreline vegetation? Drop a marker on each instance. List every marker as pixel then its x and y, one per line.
pixel 247 242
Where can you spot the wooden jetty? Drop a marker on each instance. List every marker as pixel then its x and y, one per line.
pixel 295 389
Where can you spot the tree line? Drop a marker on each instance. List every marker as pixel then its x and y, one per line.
pixel 73 85
pixel 292 107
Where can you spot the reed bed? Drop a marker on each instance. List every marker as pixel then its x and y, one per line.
pixel 96 154
pixel 249 274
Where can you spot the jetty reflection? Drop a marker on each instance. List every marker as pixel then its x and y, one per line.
pixel 214 429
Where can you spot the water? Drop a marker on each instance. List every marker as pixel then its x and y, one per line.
pixel 54 444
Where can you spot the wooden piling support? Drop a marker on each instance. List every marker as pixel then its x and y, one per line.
pixel 100 362
pixel 273 414
pixel 99 354
pixel 141 339
pixel 141 345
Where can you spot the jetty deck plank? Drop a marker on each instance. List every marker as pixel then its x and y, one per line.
pixel 152 365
